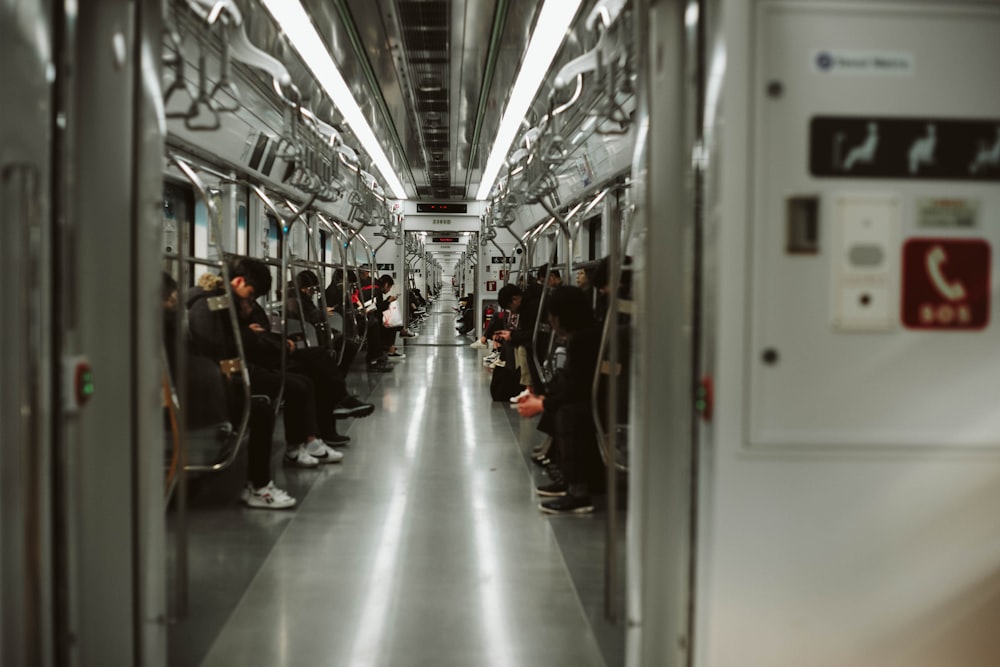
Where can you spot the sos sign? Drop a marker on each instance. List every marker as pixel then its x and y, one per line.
pixel 946 284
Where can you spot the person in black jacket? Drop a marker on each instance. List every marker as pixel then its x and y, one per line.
pixel 520 331
pixel 263 354
pixel 567 404
pixel 211 335
pixel 354 318
pixel 318 363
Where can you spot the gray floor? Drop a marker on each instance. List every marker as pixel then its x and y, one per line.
pixel 425 547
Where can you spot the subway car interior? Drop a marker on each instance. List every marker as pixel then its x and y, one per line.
pixel 513 333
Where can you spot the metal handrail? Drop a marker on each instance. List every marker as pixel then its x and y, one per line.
pixel 284 227
pixel 314 265
pixel 607 439
pixel 180 544
pixel 348 308
pixel 182 259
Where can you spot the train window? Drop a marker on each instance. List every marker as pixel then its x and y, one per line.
pixel 242 237
pixel 206 245
pixel 326 255
pixel 178 205
pixel 273 248
pixel 593 227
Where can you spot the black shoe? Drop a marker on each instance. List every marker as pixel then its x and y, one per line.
pixel 352 407
pixel 379 367
pixel 568 505
pixel 336 439
pixel 554 489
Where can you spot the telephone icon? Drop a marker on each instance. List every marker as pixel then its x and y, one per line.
pixel 952 290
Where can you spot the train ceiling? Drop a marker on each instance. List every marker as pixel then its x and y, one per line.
pixel 432 77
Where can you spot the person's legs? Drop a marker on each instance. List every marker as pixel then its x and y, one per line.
pixel 261 427
pixel 581 460
pixel 260 491
pixel 521 358
pixel 373 353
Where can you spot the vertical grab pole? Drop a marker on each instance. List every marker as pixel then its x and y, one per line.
pixel 345 297
pixel 213 218
pixel 611 543
pixel 285 228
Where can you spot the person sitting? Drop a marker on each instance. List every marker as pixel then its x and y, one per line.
pixel 262 350
pixel 210 334
pixel 354 320
pixel 299 305
pixel 375 304
pixel 387 335
pixel 566 405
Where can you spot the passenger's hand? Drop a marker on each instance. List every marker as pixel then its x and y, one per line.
pixel 502 335
pixel 291 344
pixel 256 328
pixel 329 310
pixel 530 406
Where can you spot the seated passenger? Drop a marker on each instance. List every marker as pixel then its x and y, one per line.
pixel 263 354
pixel 387 336
pixel 332 399
pixel 354 319
pixel 211 335
pixel 521 332
pixel 374 305
pixel 299 304
pixel 567 405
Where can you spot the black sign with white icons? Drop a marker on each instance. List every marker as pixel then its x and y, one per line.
pixel 856 147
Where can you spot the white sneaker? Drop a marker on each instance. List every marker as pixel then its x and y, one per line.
pixel 478 345
pixel 321 452
pixel 298 456
pixel 267 497
pixel 499 363
pixel 523 394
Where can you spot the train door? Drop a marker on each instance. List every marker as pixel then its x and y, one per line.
pixel 662 488
pixel 27 593
pixel 80 155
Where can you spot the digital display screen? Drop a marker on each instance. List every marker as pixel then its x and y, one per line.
pixel 441 208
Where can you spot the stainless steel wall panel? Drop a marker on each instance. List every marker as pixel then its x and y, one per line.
pixel 27 413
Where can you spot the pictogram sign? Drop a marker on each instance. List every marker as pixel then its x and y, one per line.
pixel 946 284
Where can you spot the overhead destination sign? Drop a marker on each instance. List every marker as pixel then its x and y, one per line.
pixel 445 239
pixel 437 224
pixel 904 148
pixel 446 207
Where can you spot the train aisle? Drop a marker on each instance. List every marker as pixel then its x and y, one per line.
pixel 425 547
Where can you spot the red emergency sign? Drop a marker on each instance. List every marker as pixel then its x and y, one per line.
pixel 946 284
pixel 491 286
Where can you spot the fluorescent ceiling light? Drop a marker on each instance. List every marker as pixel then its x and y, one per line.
pixel 296 24
pixel 554 19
